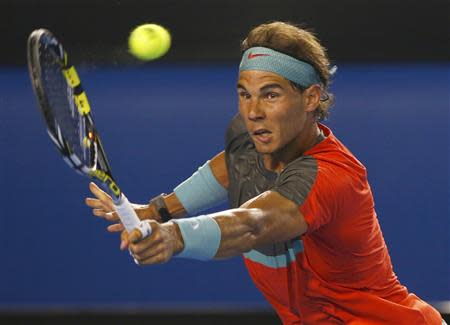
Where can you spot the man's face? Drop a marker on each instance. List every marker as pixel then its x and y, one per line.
pixel 273 111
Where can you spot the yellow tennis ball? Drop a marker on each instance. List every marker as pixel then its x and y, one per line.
pixel 149 41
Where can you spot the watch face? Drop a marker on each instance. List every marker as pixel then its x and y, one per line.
pixel 164 214
pixel 161 207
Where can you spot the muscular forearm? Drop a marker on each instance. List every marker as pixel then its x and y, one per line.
pixel 241 231
pixel 174 206
pixel 265 220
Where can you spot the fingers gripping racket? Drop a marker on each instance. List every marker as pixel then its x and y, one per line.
pixel 66 111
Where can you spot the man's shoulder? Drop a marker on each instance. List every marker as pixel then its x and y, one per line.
pixel 236 129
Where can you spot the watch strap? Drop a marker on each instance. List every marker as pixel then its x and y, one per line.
pixel 161 207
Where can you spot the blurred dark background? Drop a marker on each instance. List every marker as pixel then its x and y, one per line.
pixel 205 30
pixel 161 120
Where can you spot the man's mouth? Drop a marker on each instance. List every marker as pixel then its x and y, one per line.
pixel 262 135
pixel 261 131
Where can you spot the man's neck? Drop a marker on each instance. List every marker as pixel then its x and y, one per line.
pixel 306 140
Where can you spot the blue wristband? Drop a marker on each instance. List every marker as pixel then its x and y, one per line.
pixel 201 191
pixel 201 236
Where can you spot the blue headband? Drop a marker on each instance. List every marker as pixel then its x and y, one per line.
pixel 265 59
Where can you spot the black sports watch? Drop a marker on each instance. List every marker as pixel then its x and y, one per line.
pixel 161 207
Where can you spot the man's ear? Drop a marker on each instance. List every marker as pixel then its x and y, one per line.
pixel 312 97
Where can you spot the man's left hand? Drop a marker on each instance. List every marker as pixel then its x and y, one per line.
pixel 164 242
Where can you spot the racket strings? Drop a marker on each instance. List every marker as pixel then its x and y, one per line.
pixel 64 115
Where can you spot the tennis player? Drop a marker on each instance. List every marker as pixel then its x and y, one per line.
pixel 303 213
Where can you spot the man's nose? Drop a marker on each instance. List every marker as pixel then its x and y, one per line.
pixel 255 111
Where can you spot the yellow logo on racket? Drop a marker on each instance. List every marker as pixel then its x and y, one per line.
pixel 82 103
pixel 71 76
pixel 105 178
pixel 73 80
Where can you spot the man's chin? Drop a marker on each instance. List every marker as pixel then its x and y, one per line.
pixel 262 149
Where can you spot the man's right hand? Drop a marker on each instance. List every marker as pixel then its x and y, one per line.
pixel 103 207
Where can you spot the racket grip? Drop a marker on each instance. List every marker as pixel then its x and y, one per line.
pixel 129 218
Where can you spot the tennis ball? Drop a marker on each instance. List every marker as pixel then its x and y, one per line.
pixel 149 42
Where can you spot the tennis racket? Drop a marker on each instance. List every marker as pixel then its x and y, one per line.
pixel 66 111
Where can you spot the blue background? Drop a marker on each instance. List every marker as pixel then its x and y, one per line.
pixel 158 124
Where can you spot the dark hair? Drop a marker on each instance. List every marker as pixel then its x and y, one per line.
pixel 300 44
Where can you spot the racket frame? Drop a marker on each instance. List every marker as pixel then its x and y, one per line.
pixel 100 169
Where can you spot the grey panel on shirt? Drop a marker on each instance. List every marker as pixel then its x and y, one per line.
pixel 296 180
pixel 277 248
pixel 248 177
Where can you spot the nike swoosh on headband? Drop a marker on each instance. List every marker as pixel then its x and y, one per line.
pixel 252 56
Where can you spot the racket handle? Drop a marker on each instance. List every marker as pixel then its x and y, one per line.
pixel 129 218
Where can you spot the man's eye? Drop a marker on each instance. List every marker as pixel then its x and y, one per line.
pixel 244 95
pixel 272 95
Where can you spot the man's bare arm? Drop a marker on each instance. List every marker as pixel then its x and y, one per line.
pixel 267 219
pixel 219 170
pixel 102 204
